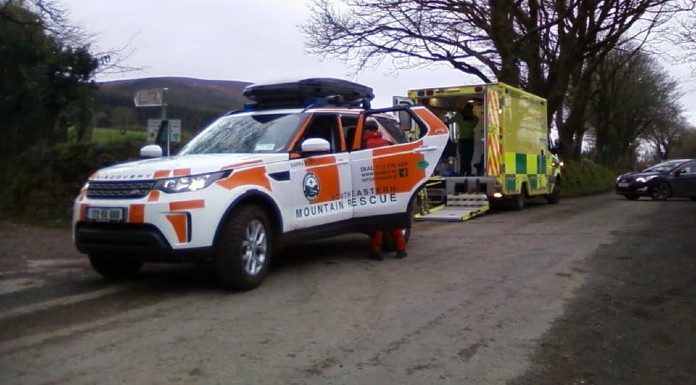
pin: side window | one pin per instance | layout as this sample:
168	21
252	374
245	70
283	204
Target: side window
689	168
348	126
324	127
393	128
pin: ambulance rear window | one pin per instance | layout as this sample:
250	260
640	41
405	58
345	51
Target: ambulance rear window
247	133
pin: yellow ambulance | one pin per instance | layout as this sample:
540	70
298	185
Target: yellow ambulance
511	160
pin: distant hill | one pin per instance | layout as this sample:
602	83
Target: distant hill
195	101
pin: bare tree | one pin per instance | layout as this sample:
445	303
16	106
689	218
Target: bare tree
52	17
665	139
634	102
686	144
545	46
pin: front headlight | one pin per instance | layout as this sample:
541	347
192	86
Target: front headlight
189	183
644	179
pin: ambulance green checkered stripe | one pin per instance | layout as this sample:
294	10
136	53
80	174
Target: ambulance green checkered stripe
534	182
520	163
530	164
529	168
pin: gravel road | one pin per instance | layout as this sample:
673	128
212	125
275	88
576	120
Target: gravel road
595	290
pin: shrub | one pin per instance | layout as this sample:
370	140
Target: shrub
43	180
586	177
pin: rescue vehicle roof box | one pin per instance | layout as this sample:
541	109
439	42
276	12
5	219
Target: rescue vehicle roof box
304	91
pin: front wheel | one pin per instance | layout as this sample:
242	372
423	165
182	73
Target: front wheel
244	249
555	196
115	267
660	192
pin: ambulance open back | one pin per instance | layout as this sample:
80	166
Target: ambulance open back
512	160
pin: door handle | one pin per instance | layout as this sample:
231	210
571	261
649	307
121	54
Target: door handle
341	161
425	148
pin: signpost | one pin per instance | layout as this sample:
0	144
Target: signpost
149	98
174	125
155	98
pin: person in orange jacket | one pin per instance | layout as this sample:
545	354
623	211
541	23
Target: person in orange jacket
373	138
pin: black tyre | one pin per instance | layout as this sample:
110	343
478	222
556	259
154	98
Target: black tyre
555	197
660	192
114	266
631	197
692	198
244	249
517	201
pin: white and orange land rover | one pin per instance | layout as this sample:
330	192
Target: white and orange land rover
289	167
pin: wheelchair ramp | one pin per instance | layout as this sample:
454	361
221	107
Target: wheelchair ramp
458	207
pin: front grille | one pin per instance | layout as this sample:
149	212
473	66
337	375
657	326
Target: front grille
119	190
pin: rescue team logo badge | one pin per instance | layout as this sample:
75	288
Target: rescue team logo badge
310	186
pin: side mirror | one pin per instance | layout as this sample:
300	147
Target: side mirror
316	145
151	151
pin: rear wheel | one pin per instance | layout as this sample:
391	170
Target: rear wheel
244	249
517	201
660	192
115	267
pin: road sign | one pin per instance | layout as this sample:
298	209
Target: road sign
148	98
174	129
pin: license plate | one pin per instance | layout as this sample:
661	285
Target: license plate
623	184
106	214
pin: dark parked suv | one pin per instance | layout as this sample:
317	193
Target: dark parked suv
669	179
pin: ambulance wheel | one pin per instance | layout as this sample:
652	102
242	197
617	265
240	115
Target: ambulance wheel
388	243
555	195
517	201
244	249
114	266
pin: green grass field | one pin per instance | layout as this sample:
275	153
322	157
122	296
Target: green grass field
101	135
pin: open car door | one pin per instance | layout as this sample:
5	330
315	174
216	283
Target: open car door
386	179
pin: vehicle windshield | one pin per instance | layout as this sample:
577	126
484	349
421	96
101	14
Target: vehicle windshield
247	133
664	166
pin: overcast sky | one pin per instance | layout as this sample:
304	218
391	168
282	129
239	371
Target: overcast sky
246	40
